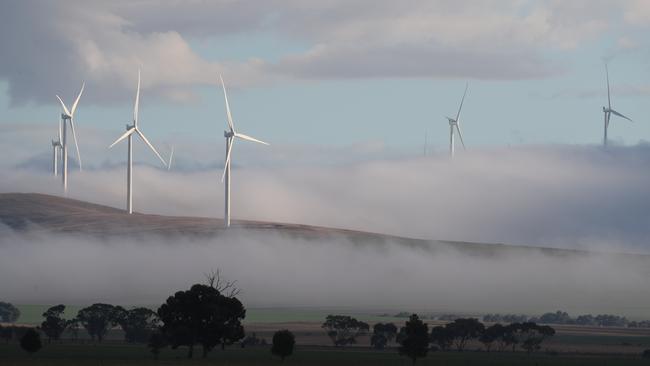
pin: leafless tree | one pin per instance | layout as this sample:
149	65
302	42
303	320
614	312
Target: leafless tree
227	288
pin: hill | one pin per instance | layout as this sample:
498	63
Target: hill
40	212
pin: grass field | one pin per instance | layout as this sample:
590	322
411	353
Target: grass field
120	354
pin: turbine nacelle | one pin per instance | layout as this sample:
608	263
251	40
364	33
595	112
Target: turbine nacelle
228	134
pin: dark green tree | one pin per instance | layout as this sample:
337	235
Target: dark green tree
531	335
442	337
157	341
6	333
202	315
72	326
54	324
414	339
138	324
99	318
491	335
8	313
382	335
465	329
343	329
31	341
283	343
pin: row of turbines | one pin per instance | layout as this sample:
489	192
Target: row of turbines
60	146
454	123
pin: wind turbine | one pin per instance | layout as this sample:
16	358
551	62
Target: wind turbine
230	135
130	130
68	116
56	146
455	123
608	111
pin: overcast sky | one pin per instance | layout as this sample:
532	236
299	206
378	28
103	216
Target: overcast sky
333	73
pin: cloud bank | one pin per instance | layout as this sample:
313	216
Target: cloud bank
104	43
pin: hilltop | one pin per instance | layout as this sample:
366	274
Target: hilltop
41	212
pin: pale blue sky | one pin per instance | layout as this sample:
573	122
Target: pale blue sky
561	108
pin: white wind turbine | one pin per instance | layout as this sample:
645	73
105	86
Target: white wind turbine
230	135
56	146
608	111
455	123
130	130
68	116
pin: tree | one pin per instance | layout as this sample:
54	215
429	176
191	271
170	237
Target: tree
6	333
54	324
31	341
414	339
509	336
202	315
99	318
72	326
343	329
382	335
532	335
491	335
8	313
283	343
138	324
442	337
465	329
157	341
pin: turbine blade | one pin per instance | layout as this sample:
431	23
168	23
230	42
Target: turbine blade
60	130
74	106
246	137
228	115
228	154
460	134
74	137
171	156
609	99
461	102
150	146
620	115
137	102
125	135
65	109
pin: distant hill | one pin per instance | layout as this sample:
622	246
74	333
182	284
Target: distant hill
32	211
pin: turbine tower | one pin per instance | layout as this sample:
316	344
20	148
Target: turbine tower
68	117
454	123
608	111
56	146
230	135
130	130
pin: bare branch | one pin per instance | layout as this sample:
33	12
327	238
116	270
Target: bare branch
227	288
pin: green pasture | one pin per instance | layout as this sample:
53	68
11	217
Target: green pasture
120	354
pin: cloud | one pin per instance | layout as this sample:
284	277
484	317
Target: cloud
62	43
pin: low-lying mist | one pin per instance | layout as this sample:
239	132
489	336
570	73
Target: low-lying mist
559	196
280	270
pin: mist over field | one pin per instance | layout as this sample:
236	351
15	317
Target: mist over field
556	195
578	197
279	270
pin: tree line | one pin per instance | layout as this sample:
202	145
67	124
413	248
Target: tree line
415	340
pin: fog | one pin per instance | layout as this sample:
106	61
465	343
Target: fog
558	196
579	197
276	270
